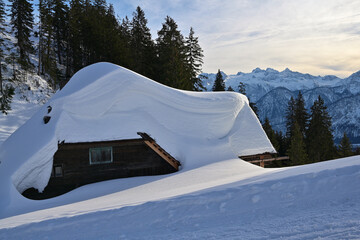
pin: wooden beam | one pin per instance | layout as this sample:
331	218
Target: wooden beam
268	160
159	150
162	153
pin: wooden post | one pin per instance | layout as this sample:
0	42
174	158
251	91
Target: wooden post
262	163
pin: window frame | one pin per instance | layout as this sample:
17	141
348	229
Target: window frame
53	171
91	162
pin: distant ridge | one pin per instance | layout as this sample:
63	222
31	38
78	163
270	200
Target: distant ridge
271	90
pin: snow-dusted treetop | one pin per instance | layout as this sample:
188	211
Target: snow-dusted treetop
107	102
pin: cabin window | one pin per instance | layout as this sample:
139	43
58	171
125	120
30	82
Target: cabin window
100	155
57	171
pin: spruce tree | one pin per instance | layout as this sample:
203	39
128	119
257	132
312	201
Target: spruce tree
344	149
242	88
219	84
172	67
296	112
47	55
22	24
290	117
11	60
125	36
5	99
118	49
75	60
271	134
60	27
297	149
319	139
2	41
142	46
282	150
300	114
254	108
125	29
230	89
194	55
41	37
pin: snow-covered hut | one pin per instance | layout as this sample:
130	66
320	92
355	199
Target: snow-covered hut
105	103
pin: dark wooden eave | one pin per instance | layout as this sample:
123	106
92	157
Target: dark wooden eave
254	157
262	158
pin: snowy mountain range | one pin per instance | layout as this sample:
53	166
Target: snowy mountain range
271	91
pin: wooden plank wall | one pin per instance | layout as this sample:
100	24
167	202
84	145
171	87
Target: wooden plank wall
130	158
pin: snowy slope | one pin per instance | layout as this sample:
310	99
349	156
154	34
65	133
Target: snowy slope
31	90
316	201
271	91
29	96
107	102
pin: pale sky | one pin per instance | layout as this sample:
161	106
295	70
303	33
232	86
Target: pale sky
319	37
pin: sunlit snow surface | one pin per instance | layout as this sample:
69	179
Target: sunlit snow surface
317	201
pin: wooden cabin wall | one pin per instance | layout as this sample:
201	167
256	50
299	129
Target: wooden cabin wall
130	158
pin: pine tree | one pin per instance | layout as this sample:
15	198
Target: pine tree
143	47
5	99
219	84
296	112
345	147
296	151
41	37
60	27
2	41
319	139
172	66
125	29
271	134
22	24
47	55
194	55
254	108
118	49
11	60
230	89
282	150
290	117
242	88
75	59
300	114
90	32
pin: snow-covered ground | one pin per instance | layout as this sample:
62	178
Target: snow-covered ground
214	195
24	104
317	201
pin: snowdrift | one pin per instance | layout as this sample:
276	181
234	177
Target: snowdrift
107	102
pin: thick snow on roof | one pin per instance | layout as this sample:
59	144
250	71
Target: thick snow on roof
108	102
